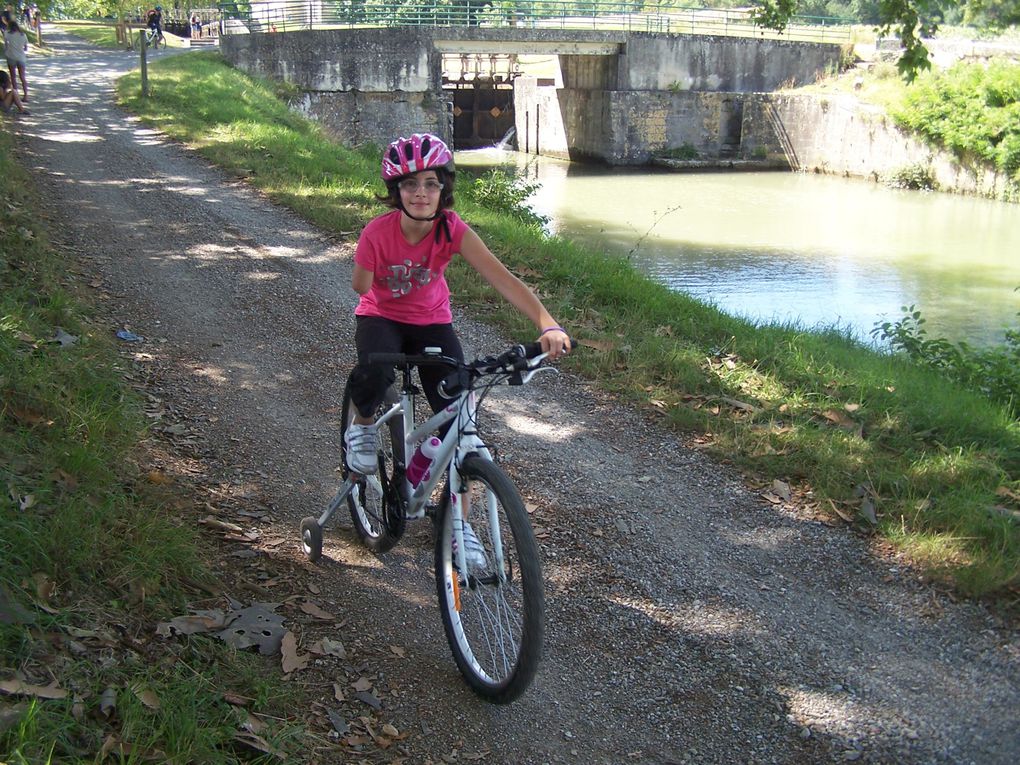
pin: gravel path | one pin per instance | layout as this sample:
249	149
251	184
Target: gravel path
688	620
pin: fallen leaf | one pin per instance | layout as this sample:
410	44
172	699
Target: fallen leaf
292	660
147	696
369	698
313	610
845	516
781	489
1005	491
338	692
44	586
19	688
215	523
108	701
868	511
252	724
158	477
851	407
398	651
339	723
327	647
738	404
258	743
362	684
598	345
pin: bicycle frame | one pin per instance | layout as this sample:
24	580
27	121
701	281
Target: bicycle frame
460	440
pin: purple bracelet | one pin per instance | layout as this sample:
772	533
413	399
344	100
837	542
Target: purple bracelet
553	329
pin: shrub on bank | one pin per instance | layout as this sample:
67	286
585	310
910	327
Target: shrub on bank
971	110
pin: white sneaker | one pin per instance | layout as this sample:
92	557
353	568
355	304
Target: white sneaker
362	448
474	552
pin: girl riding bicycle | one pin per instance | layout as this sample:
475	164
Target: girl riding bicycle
399	270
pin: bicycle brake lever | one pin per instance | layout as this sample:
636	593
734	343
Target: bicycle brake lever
527	378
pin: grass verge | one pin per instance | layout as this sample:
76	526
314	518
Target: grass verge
92	548
873	439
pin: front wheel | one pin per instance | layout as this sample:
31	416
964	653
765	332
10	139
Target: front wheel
495	622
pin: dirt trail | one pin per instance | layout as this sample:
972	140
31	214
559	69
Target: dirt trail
688	620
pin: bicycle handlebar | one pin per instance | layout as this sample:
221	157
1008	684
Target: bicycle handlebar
515	360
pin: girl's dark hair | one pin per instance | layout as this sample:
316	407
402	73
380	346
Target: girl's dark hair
4	79
392	196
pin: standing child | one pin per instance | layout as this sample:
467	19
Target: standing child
16	50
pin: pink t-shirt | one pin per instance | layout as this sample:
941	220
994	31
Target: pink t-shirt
408	283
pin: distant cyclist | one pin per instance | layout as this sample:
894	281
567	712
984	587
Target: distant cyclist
154	20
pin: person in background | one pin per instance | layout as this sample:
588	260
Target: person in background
16	50
154	19
9	95
6	18
196	26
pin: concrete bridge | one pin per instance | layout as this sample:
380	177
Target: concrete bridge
624	95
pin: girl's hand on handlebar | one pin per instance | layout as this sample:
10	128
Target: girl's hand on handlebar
555	342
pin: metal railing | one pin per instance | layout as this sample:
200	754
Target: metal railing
631	16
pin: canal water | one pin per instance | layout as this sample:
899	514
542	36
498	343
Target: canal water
811	250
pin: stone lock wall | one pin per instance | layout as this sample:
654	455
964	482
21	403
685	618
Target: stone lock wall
625	95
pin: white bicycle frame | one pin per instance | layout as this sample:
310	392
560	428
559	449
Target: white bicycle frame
461	439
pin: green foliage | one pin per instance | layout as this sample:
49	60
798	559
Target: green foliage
971	110
500	189
918	177
994	372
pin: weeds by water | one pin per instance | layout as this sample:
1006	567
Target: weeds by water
895	448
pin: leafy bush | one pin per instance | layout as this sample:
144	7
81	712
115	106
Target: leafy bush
971	110
917	177
502	190
995	372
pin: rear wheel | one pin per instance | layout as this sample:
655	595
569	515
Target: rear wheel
374	502
495	622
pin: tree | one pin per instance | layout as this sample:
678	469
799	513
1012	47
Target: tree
911	19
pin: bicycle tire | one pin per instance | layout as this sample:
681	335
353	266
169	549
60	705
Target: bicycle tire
378	519
497	632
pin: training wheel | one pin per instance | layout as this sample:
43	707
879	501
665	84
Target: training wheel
311	538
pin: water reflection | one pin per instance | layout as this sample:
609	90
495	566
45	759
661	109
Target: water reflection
793	248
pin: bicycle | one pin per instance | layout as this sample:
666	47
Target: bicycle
493	617
153	37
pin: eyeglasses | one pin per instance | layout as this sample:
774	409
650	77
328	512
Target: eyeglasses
411	186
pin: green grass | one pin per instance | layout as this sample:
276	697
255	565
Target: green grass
840	422
92	552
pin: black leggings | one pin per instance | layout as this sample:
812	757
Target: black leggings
374	334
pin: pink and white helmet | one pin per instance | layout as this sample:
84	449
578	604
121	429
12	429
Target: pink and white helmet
422	151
